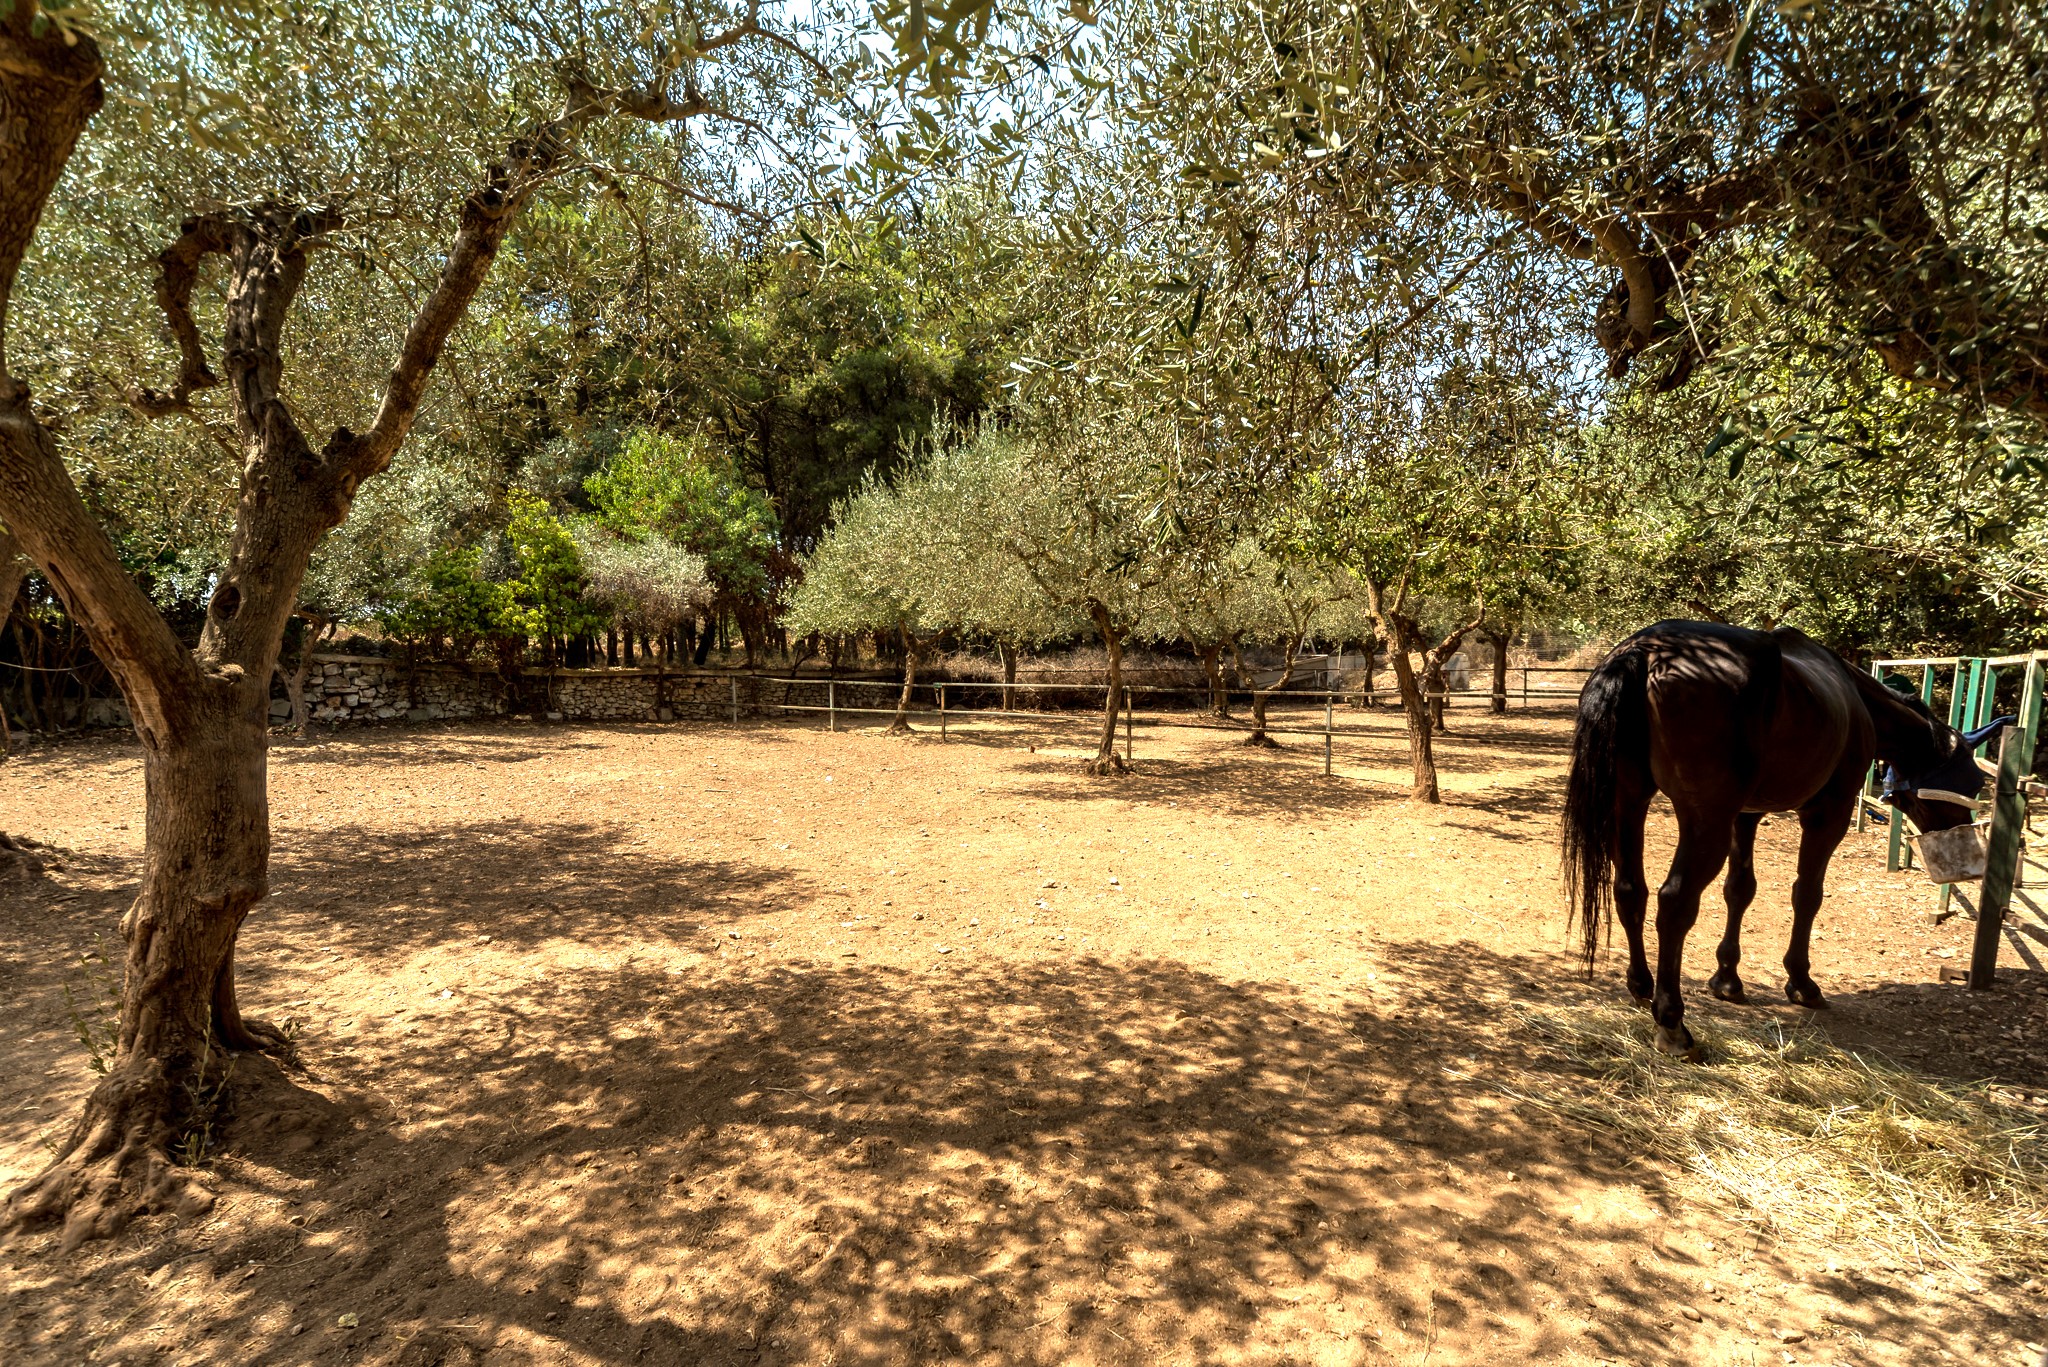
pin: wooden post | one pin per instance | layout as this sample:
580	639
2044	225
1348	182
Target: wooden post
832	704
1329	704
734	680
942	711
2008	823
1525	688
1127	723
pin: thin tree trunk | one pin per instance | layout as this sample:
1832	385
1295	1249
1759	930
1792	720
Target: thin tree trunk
29	713
661	685
1434	680
14	568
1009	656
1107	760
899	725
1219	690
1433	690
1399	630
317	630
1499	641
1261	696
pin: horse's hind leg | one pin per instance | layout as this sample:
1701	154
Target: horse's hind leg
1702	847
1821	828
1632	891
1738	890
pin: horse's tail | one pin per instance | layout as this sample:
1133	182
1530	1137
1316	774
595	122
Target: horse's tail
1613	731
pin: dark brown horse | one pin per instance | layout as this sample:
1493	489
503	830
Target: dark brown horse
1731	724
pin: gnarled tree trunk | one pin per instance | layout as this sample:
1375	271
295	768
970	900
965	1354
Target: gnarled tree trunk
1401	635
206	866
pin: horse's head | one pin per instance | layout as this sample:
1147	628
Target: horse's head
1943	793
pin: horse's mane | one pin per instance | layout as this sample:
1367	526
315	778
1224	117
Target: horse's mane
1941	737
1906	693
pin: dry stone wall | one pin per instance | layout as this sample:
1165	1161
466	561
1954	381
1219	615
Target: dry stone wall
356	690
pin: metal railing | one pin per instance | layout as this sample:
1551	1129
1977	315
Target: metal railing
951	703
1973	701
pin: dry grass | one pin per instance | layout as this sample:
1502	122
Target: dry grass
1813	1140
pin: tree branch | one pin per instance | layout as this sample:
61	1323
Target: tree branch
50	89
177	272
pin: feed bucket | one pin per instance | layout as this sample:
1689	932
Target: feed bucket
1955	855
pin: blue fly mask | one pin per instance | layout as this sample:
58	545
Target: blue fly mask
1956	779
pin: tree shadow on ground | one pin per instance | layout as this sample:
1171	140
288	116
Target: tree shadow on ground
1277	789
497	741
651	1154
370	890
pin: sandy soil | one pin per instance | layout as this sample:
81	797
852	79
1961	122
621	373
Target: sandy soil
758	1044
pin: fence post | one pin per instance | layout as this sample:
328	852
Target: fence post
1329	709
942	711
1525	688
734	680
1127	723
832	704
2008	817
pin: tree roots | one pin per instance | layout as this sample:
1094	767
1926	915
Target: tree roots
1262	740
1102	766
117	1162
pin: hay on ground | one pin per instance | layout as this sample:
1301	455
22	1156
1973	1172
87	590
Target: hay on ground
1813	1140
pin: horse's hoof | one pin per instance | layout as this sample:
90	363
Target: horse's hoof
1678	1042
1727	987
1806	994
1642	991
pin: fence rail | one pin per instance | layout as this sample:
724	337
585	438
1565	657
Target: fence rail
1972	687
1283	708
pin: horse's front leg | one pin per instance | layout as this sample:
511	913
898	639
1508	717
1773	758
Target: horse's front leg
1738	891
1822	824
1703	840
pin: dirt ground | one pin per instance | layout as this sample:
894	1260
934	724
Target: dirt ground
763	1045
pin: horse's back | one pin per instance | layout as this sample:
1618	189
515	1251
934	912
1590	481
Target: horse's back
1746	719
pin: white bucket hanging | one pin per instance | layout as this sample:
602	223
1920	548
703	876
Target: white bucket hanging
1956	855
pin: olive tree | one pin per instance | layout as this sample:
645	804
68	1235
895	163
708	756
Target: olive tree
237	264
1074	501
922	557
